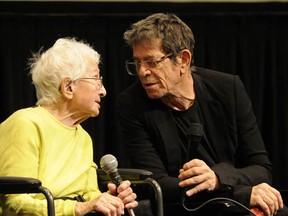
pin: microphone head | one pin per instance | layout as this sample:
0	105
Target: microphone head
109	163
195	129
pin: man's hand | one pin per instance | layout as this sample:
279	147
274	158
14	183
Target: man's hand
267	198
198	174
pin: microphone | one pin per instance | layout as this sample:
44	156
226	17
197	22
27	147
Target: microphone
194	135
109	164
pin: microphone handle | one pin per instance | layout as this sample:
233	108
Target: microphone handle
131	212
116	179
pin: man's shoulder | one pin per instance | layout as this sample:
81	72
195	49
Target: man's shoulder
209	73
214	78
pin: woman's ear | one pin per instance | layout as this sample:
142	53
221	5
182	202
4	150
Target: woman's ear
67	88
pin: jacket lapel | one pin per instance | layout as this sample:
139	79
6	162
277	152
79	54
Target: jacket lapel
168	132
214	121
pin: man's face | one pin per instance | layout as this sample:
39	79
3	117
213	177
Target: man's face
159	80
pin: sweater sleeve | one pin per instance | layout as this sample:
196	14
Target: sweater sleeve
27	204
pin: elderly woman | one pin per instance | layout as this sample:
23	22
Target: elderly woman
47	141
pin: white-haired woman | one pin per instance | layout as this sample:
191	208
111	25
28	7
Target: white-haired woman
47	141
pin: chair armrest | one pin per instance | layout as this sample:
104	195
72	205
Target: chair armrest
17	185
137	176
11	184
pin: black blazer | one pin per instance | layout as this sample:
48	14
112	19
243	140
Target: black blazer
239	156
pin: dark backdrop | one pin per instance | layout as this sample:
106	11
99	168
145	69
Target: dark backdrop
250	40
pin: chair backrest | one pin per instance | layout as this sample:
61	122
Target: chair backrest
16	185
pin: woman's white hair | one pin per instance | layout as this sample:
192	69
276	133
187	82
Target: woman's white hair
67	58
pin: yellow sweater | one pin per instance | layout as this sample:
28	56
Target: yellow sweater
35	144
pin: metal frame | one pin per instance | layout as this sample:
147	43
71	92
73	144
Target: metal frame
17	185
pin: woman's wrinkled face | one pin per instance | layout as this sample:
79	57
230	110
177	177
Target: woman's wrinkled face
89	91
160	80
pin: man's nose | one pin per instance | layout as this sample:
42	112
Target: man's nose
143	70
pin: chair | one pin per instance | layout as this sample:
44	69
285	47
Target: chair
17	185
213	207
218	203
143	184
137	177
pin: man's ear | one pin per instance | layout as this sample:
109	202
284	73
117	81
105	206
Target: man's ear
67	88
186	57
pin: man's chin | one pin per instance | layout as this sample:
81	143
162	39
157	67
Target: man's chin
153	95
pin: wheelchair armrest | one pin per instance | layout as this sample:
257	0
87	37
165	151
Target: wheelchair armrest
137	177
17	185
11	184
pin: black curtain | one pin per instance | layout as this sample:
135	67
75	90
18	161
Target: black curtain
250	40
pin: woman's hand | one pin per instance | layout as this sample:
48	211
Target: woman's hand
108	203
125	193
